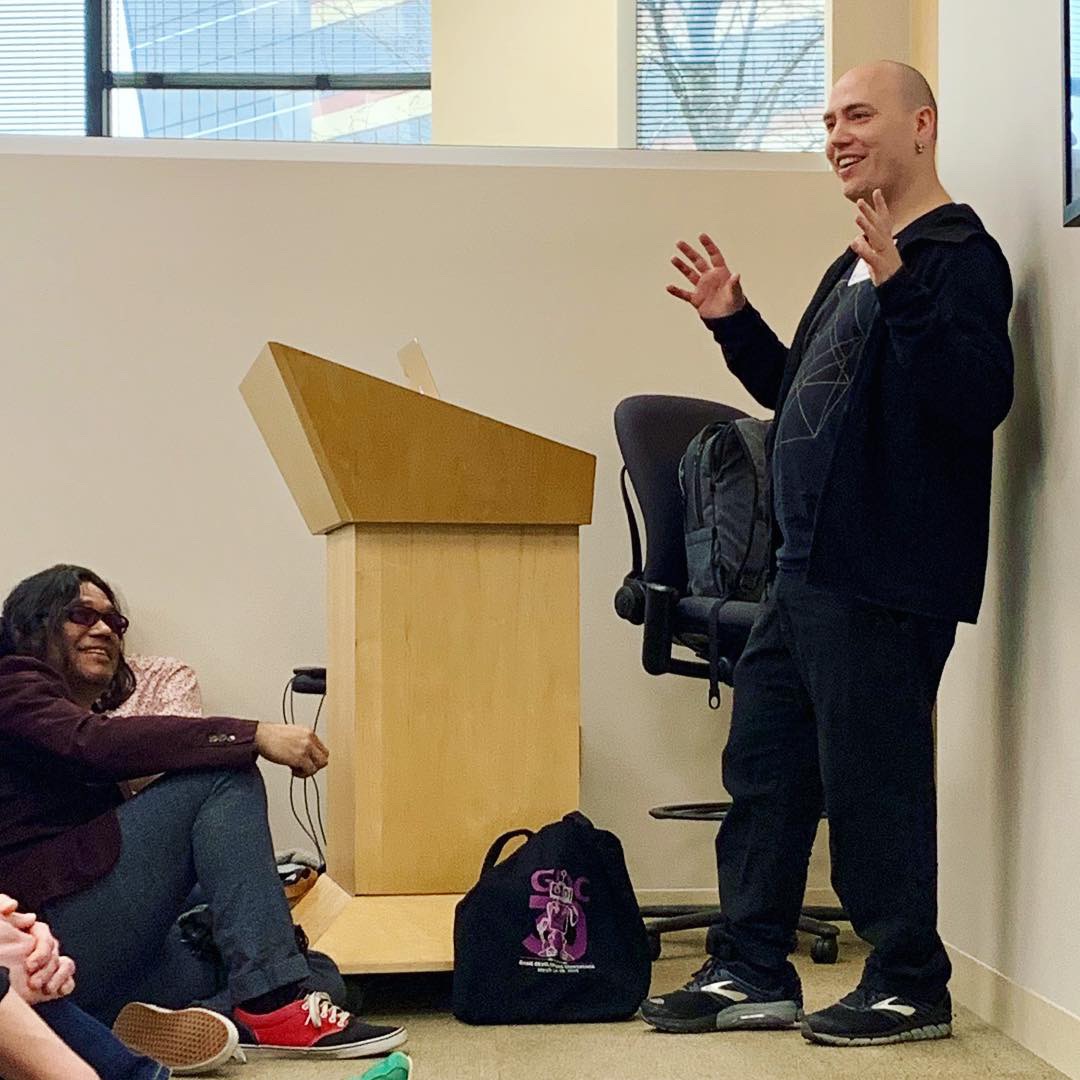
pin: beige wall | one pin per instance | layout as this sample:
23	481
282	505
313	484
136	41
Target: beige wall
1009	738
861	31
519	73
924	39
138	291
561	73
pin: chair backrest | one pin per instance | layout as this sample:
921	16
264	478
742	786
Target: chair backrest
653	431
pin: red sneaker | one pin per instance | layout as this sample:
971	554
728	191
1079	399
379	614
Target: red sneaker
314	1027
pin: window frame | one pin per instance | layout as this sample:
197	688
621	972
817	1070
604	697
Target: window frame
101	80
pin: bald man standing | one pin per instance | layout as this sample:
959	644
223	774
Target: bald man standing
885	406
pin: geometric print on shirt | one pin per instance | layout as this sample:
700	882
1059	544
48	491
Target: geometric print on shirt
828	366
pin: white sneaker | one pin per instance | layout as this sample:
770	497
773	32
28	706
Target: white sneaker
187	1041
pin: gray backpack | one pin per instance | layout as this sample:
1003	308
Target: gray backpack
723	481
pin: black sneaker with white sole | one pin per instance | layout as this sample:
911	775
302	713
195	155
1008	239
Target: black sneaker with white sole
873	1018
716	999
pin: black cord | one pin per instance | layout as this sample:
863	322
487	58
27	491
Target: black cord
285	719
307	804
318	800
289	717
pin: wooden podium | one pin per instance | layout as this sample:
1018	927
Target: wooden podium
453	642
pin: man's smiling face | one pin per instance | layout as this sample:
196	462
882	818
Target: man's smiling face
871	133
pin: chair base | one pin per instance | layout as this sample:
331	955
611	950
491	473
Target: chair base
668	919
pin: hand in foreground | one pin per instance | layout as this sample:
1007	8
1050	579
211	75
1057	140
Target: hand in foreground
48	974
716	291
9	911
38	971
875	244
297	747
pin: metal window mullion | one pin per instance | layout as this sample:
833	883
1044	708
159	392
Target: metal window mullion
146	80
97	84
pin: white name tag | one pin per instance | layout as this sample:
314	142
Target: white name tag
860	273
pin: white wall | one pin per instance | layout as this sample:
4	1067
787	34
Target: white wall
1008	734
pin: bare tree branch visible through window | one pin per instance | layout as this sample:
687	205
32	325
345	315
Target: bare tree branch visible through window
731	74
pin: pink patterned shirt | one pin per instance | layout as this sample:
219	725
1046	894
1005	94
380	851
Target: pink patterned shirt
164	686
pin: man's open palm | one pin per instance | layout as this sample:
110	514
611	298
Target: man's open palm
715	291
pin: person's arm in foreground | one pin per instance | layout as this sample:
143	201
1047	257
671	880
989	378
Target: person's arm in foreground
28	1048
31	963
753	353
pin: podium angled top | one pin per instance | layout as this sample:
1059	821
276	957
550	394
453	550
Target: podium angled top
354	448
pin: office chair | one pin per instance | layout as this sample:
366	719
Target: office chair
653	432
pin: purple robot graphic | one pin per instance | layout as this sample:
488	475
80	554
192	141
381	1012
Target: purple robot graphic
561	933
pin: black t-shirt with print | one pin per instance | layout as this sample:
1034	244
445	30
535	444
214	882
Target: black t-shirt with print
812	414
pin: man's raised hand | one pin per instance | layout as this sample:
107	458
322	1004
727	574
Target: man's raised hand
715	291
875	244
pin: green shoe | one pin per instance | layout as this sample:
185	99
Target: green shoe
397	1066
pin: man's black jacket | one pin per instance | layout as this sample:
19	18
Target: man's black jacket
903	517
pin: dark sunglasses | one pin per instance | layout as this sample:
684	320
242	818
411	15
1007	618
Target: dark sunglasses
84	615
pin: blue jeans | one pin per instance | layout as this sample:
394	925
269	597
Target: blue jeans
97	1045
204	827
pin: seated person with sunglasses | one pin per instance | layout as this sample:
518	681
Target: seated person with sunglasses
111	876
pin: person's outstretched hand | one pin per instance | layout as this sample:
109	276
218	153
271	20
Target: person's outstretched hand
297	747
716	291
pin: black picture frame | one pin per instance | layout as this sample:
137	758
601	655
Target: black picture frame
1071	110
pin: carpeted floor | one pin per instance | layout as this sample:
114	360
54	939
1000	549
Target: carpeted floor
443	1049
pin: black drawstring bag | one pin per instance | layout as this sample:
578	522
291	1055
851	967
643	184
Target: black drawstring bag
553	933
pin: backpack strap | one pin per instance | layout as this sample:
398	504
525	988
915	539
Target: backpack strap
714	654
496	849
755	445
690	476
751	434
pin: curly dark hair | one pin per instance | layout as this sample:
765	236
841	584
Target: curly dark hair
33	615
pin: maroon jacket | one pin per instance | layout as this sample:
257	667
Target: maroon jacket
59	767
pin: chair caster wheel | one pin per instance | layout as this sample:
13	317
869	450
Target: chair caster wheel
825	950
654	947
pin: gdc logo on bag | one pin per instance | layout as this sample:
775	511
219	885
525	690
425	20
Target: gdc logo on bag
552	934
561	937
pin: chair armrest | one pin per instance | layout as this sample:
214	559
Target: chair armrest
659	622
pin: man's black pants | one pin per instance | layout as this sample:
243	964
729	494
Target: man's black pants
833	707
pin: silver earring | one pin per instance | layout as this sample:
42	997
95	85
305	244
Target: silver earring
919	148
